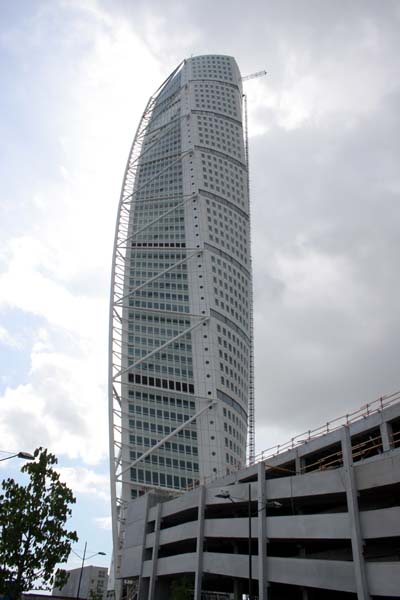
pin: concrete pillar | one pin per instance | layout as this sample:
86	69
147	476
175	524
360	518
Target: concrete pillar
144	588
200	543
354	517
237	595
162	589
262	532
386	434
153	576
143	584
299	464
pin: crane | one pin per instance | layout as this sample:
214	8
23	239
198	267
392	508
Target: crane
251	404
254	75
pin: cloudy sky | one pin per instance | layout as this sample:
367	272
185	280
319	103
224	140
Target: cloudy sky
325	183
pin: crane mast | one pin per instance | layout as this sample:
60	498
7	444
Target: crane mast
251	414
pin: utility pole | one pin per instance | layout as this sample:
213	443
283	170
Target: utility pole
80	574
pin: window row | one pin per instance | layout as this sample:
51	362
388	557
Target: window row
148	293
162	368
158	244
160	479
168	462
169	384
164	400
138	440
160	414
160	306
137	424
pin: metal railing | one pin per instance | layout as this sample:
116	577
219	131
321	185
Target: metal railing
364	411
333	460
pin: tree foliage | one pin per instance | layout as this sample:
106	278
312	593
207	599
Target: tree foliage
95	595
32	527
182	589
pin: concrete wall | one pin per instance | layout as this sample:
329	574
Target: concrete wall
136	521
336	562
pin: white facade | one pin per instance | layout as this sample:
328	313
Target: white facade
325	523
180	318
93	584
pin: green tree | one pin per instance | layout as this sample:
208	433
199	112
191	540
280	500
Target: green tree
182	589
95	595
32	528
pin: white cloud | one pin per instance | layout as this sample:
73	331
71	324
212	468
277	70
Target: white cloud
103	523
324	183
58	268
33	284
8	339
62	407
86	481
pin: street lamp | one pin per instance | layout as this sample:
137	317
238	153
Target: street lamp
83	558
270	503
24	455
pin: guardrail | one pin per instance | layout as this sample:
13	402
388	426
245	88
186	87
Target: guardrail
303	438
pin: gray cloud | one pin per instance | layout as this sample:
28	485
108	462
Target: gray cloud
324	179
63	407
325	190
338	192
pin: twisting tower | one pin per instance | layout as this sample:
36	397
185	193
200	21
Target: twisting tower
180	310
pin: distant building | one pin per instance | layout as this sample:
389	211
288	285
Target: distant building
325	521
93	583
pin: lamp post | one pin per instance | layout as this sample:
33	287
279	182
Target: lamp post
24	455
273	503
83	558
250	553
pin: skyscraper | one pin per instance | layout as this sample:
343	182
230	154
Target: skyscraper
180	314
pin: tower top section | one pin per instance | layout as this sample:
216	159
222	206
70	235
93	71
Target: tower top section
213	66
